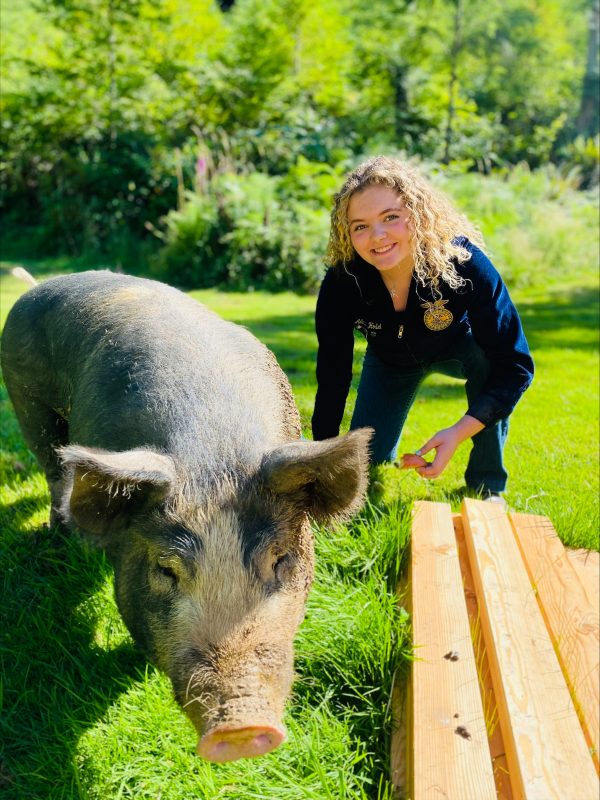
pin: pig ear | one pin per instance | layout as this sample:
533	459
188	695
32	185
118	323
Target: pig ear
108	486
328	477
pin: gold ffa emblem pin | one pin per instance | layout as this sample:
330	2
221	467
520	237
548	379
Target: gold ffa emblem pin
436	317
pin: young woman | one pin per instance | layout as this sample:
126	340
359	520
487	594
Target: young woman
407	271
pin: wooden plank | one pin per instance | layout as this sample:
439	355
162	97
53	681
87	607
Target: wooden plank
587	566
570	615
486	687
451	757
547	753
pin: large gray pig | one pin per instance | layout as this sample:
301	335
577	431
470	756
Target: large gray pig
171	439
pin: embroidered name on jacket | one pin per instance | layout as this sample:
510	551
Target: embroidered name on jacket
436	317
367	328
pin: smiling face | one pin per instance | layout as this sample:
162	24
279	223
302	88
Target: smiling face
379	228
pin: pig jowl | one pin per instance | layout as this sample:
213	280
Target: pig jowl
170	438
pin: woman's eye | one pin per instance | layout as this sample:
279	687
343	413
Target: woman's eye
392	217
358	228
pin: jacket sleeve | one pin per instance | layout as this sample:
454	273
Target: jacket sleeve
497	329
335	334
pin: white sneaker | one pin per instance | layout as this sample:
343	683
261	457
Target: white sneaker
494	497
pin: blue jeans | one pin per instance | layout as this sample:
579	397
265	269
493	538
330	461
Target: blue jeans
386	394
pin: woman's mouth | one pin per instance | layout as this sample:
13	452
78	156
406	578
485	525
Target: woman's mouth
381	251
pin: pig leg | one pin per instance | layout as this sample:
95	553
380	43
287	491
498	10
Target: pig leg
44	429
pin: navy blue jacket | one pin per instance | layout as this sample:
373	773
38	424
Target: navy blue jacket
359	300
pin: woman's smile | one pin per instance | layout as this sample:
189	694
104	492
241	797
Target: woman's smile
384	249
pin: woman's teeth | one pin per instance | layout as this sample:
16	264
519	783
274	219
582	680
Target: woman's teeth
380	250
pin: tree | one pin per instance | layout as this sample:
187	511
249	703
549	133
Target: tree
455	49
588	120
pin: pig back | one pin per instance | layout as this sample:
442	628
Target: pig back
131	362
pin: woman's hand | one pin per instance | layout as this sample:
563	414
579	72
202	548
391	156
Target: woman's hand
444	443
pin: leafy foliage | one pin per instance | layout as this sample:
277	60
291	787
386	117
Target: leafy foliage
245	231
107	105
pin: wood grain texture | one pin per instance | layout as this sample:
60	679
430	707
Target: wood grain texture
451	756
486	687
587	566
547	754
571	617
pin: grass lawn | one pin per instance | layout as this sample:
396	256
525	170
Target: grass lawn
81	713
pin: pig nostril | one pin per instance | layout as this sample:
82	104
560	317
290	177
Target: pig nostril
261	744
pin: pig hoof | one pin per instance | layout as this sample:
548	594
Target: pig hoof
229	744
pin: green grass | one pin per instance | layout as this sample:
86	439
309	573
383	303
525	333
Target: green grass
81	713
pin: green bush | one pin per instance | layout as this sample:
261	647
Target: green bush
245	232
87	197
190	253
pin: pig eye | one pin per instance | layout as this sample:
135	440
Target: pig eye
283	566
166	572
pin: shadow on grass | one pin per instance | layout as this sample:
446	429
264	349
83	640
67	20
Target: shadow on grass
57	682
291	337
567	313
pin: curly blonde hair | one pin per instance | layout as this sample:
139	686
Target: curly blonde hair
435	222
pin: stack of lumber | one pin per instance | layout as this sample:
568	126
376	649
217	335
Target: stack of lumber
504	691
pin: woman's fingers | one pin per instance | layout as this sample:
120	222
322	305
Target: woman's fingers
429	445
444	443
431	470
412	461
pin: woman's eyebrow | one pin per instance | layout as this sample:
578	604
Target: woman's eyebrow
385	211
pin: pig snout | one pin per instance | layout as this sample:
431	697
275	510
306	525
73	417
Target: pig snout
226	743
236	705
